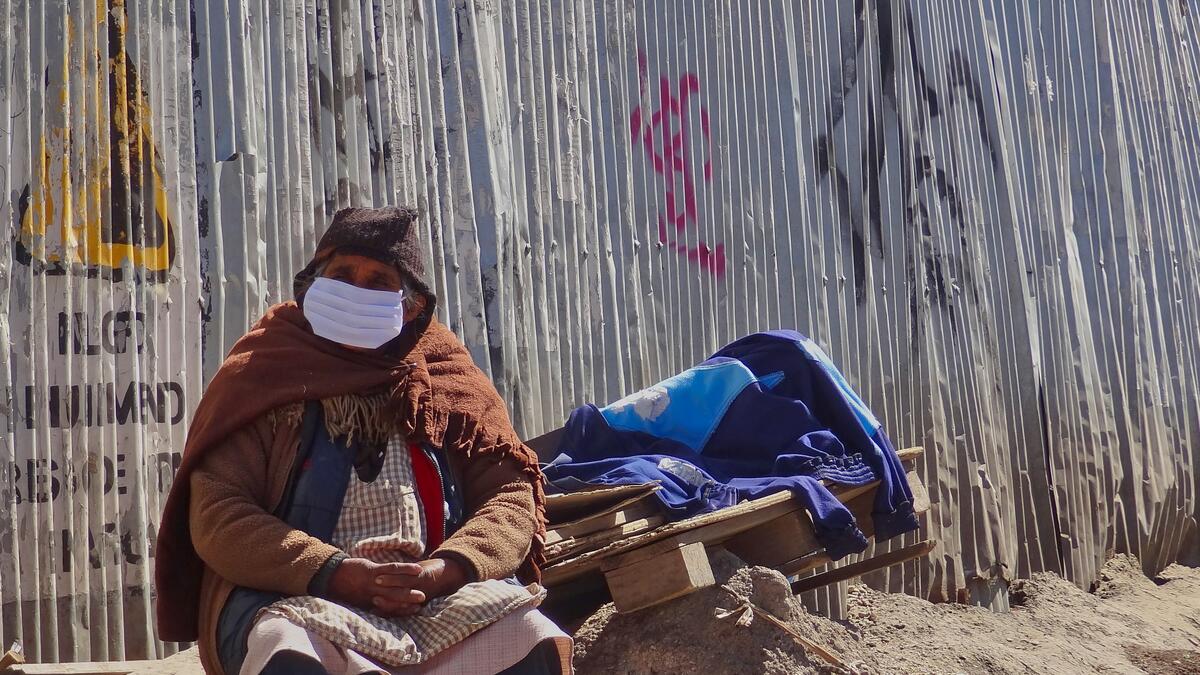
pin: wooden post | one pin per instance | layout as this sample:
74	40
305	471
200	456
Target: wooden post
660	577
862	567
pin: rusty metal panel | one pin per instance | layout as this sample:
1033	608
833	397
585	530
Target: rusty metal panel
982	212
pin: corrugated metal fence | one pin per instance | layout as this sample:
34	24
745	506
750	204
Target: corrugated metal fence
983	211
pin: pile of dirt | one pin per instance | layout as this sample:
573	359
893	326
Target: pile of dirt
1128	624
686	635
1164	661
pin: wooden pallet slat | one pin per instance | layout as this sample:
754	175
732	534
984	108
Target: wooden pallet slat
776	542
864	566
626	511
712	528
12	657
565	508
661	577
718	525
571	547
85	668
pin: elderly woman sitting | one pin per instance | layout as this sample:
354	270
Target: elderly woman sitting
352	496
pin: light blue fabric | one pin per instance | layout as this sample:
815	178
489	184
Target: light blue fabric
771	380
687	407
866	418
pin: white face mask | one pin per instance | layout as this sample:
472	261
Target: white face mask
353	316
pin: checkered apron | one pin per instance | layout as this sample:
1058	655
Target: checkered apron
383	521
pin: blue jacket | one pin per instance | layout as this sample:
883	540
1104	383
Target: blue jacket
767	413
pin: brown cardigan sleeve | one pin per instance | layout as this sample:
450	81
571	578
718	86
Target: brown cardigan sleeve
496	537
232	531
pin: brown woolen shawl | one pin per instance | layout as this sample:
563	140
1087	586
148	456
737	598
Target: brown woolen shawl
437	395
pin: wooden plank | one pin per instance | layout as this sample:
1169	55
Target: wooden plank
805	563
921	503
711	532
92	668
745	516
184	663
12	657
567	507
713	528
626	511
776	542
862	567
737	519
668	575
645	494
591	542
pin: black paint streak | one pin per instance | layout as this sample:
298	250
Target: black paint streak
333	90
919	166
961	77
203	181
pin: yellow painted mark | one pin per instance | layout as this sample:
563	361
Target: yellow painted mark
101	202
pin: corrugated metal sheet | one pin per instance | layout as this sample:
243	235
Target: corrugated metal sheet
984	212
98	304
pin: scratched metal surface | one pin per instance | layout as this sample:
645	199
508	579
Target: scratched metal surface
984	213
98	289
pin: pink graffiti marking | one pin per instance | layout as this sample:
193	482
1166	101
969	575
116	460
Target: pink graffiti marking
663	134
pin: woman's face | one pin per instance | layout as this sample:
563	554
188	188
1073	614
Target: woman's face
364	272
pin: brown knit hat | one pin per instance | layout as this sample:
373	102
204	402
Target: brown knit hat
387	234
